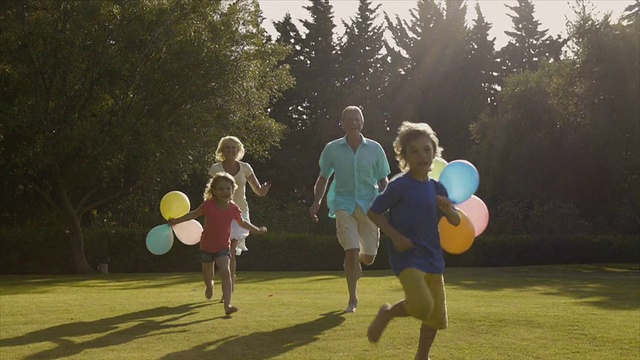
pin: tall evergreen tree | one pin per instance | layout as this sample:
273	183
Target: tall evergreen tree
631	15
529	46
308	110
363	70
484	66
429	72
319	54
288	109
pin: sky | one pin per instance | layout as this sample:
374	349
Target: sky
552	14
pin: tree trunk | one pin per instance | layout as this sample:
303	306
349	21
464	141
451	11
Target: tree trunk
76	236
77	249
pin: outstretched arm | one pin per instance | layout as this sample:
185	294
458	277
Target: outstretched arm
249	226
318	193
189	216
260	190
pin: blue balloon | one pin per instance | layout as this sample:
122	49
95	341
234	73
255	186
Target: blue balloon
160	239
461	179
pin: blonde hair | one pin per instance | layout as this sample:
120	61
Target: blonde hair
223	142
215	180
409	132
352	109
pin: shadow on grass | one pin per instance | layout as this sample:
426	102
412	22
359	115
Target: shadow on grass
23	284
262	344
605	286
143	322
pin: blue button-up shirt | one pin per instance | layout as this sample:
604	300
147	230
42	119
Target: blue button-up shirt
356	174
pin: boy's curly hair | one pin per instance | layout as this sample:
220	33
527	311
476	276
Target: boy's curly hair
407	133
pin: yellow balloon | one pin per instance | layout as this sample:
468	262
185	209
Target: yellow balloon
436	168
174	204
456	239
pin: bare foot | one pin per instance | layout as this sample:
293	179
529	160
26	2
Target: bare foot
230	310
379	324
208	292
351	308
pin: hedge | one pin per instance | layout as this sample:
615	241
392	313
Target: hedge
46	251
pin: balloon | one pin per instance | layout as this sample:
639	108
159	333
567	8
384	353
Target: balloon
174	204
477	212
160	239
188	232
456	239
461	179
436	168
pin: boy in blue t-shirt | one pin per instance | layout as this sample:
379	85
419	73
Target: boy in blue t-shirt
415	204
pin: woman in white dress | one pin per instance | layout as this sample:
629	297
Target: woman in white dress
228	154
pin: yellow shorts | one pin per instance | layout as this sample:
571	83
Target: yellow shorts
357	231
425	297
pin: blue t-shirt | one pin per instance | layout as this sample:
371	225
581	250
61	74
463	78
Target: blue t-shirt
414	213
356	173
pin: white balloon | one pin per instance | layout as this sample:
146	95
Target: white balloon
188	232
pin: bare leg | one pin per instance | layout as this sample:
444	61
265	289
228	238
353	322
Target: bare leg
225	277
385	314
232	266
352	269
427	335
207	275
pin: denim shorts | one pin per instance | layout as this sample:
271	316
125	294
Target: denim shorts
209	257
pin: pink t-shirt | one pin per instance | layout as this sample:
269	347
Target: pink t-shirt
216	235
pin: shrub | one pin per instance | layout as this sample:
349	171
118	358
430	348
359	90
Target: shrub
46	251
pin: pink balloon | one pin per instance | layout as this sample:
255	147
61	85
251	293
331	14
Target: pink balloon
477	212
188	232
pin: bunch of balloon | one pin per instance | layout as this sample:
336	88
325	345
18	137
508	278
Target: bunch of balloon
173	205
461	179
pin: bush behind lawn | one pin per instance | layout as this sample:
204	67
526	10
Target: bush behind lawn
46	251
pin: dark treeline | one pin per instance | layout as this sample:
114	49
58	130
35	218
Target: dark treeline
107	105
552	123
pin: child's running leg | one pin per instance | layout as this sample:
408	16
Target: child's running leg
207	275
427	335
385	315
419	301
225	277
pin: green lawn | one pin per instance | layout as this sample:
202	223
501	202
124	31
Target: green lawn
548	312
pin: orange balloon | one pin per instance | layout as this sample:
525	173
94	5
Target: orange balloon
456	239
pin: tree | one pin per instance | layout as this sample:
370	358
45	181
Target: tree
484	66
430	72
363	71
103	97
631	15
308	109
529	46
608	62
577	121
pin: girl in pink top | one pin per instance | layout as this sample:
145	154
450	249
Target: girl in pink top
218	211
228	154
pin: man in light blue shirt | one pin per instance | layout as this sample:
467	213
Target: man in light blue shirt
360	170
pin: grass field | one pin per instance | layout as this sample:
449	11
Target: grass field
547	312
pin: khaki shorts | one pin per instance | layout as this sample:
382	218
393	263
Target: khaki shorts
357	231
425	297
